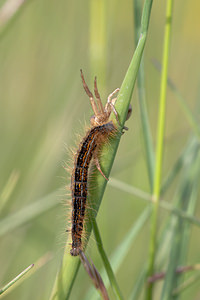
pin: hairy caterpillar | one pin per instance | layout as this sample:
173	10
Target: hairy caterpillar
89	148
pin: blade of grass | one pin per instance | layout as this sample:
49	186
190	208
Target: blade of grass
69	268
14	280
159	148
137	4
37	265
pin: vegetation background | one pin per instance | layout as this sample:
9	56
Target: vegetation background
42	108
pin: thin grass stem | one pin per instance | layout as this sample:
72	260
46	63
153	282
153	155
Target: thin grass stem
14	280
142	100
159	149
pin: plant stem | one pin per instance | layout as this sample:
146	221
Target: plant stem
149	151
8	285
159	149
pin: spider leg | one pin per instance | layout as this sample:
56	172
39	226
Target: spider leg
97	95
111	104
96	161
112	94
109	107
89	93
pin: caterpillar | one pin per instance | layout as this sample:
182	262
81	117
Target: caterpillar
89	148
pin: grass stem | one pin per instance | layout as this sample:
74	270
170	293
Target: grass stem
160	144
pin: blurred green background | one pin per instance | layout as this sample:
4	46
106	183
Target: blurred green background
43	107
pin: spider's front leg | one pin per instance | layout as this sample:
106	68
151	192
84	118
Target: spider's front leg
97	164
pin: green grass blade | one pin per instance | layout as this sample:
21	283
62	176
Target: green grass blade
130	78
41	262
159	149
14	280
142	100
